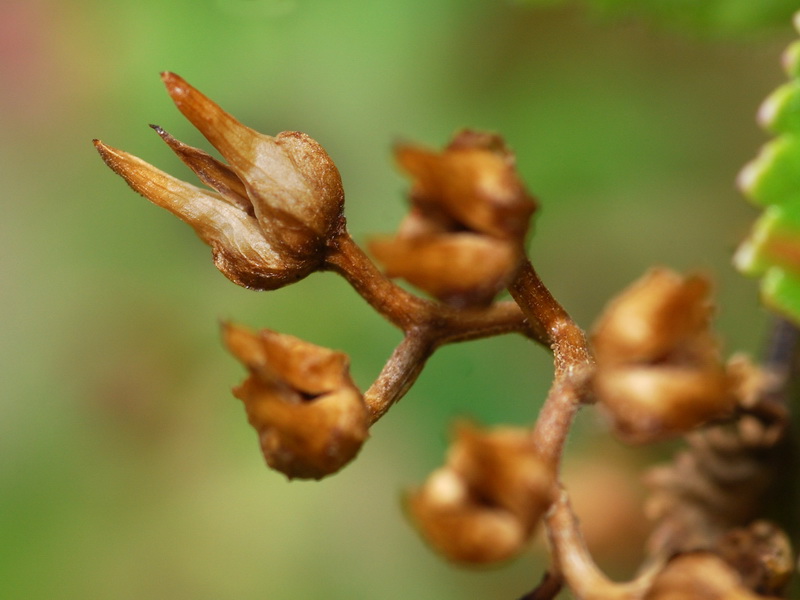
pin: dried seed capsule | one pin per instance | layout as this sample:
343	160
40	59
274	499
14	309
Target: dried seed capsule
464	236
310	417
659	372
484	504
702	576
274	206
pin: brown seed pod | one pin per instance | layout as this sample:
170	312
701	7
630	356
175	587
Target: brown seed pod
659	372
310	417
485	503
272	206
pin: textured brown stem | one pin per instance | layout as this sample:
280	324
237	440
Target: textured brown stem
548	319
398	375
427	324
572	359
408	312
548	589
347	259
582	575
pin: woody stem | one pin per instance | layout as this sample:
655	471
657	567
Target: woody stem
571	355
577	567
408	312
398	375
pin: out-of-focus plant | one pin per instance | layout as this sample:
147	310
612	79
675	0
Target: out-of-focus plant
772	181
273	214
712	17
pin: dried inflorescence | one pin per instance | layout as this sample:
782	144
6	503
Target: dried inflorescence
273	206
273	214
463	239
718	484
659	372
761	554
309	415
485	503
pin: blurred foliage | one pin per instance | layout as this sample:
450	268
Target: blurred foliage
771	181
710	17
127	468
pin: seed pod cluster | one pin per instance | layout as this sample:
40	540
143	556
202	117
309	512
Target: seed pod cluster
485	503
659	372
463	238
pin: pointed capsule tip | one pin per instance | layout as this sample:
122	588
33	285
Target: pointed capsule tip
104	150
175	83
117	160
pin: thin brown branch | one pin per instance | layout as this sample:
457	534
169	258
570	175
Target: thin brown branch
550	586
409	312
572	358
347	259
555	419
579	570
427	325
398	375
548	319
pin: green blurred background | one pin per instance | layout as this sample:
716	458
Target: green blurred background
127	469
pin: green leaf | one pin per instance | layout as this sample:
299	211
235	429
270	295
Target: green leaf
772	179
774	241
781	292
780	112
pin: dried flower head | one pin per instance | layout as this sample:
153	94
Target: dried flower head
310	417
659	373
701	576
762	555
718	483
463	238
484	504
274	204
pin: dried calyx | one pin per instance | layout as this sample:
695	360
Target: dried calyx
309	415
273	206
463	239
485	503
702	576
659	372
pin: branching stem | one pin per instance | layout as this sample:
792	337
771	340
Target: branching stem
572	360
409	312
398	375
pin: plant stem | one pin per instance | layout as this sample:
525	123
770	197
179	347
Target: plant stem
408	312
548	589
398	375
580	572
548	319
427	325
572	359
347	259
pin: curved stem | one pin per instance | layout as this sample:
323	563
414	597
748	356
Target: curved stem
548	319
347	259
408	312
555	419
548	588
398	375
580	572
572	358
